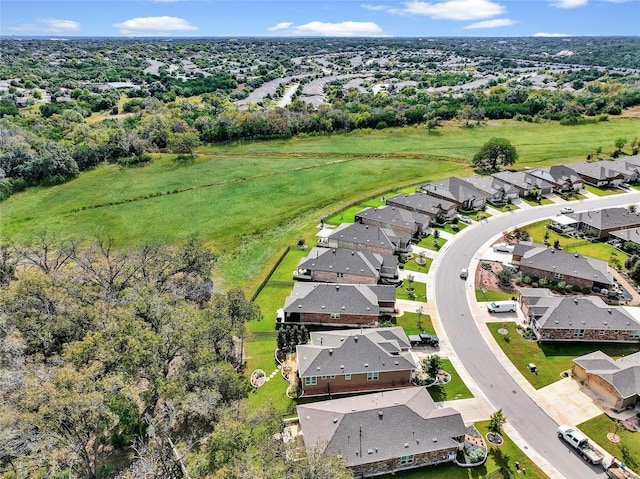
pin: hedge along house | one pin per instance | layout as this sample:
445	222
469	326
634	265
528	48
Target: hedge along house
398	219
359	237
436	209
385	432
557	265
578	318
327	304
331	265
616	381
344	361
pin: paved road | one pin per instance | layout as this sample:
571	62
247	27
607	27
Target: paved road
529	420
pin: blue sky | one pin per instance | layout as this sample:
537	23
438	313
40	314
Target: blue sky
372	18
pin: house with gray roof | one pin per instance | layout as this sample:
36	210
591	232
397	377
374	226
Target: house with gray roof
384	432
599	223
629	166
557	265
359	237
398	219
332	265
466	196
436	209
328	304
615	381
524	182
556	317
626	235
598	173
561	177
344	361
500	192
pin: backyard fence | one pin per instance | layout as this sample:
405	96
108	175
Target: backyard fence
271	271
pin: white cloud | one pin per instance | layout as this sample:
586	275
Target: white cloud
452	9
542	34
374	8
280	26
143	26
48	25
568	3
495	23
324	29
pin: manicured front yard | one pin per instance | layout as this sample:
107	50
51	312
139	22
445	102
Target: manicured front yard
627	450
503	457
451	229
550	359
412	323
454	389
493	295
420	291
411	265
427	242
506	208
603	191
479	215
543	201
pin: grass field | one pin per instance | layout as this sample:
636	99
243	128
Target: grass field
454	389
248	200
412	324
627	450
550	359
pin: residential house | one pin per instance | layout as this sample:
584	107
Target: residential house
359	237
524	182
338	304
344	361
557	265
331	265
626	235
560	177
629	166
616	381
598	173
437	209
398	219
578	318
500	192
383	433
466	196
599	223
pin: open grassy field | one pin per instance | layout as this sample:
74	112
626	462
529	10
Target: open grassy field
247	200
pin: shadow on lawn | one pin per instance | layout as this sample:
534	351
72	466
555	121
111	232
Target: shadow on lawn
573	349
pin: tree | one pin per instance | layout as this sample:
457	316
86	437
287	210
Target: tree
431	365
496	421
505	277
494	153
183	142
620	142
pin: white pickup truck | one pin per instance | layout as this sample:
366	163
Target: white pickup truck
580	443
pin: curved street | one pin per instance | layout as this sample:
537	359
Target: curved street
533	428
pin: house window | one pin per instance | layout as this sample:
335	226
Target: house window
406	460
558	275
333	376
310	381
625	331
335	315
340	275
602	331
347	377
324	377
372	376
635	334
578	333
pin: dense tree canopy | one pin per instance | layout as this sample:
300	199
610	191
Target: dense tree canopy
494	153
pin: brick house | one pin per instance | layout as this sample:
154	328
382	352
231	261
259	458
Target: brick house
329	304
359	237
385	432
343	361
616	381
463	194
557	265
331	265
629	166
560	177
578	318
599	173
500	192
524	182
437	209
601	222
398	219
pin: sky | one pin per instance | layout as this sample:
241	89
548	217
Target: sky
311	18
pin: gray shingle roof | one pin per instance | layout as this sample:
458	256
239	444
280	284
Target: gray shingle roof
492	185
600	170
455	189
521	179
562	262
623	374
630	234
377	427
342	261
608	218
421	202
337	298
394	216
355	352
367	235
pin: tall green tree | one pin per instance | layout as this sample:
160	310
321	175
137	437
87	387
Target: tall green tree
495	153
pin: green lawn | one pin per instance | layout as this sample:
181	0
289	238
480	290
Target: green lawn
412	325
347	215
479	215
603	191
493	295
543	201
222	196
506	208
627	450
504	456
451	230
420	291
427	242
454	389
550	359
599	250
411	265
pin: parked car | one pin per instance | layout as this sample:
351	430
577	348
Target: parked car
581	443
502	307
465	219
464	273
624	185
566	209
503	247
